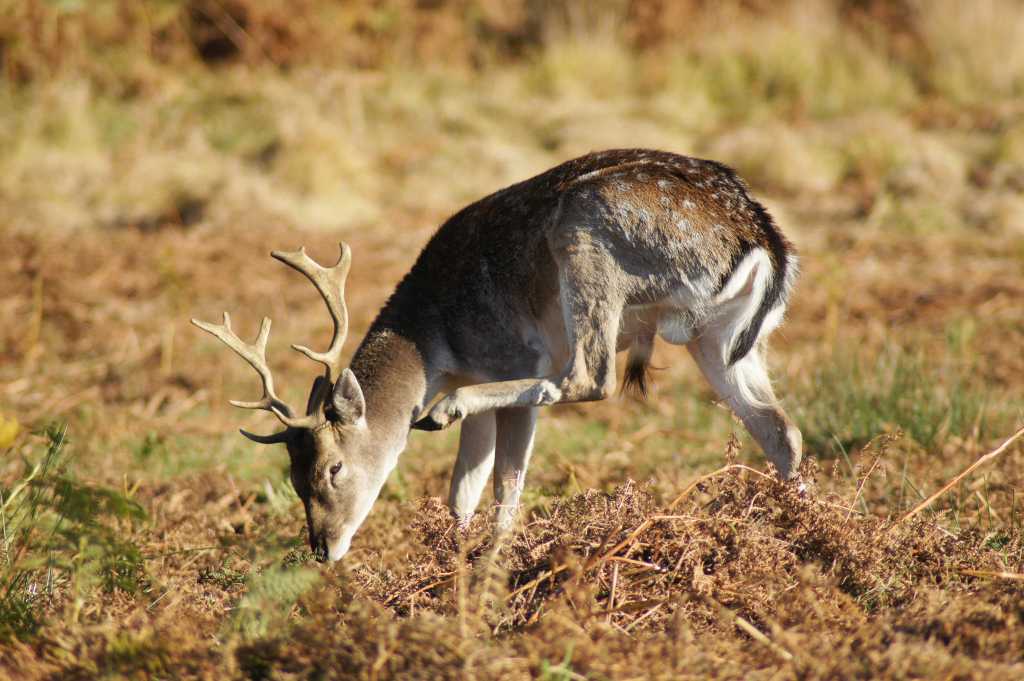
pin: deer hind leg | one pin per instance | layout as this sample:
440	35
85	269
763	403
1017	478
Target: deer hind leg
747	389
743	381
472	466
515	431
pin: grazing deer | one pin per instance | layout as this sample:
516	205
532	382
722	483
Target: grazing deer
522	300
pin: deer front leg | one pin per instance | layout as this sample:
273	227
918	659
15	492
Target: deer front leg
474	399
473	465
578	383
515	430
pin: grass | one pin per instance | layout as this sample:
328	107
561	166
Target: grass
57	536
850	400
148	162
198	145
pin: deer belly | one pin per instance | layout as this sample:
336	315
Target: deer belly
676	327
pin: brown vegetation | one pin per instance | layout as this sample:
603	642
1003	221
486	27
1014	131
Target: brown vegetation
152	154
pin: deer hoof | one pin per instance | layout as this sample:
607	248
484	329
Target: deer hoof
427	423
445	413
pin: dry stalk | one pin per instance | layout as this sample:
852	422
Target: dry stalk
995	574
644	616
534	583
967	471
860	487
724	469
447	578
611	595
750	629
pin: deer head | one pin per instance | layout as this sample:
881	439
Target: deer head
335	468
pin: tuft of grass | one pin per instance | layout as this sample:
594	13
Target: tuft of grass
849	400
913	215
798	62
600	68
977	49
780	157
139	655
61	537
269	599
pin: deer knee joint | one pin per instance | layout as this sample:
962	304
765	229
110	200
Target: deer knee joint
577	388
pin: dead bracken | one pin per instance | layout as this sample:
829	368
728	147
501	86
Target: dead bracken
739	541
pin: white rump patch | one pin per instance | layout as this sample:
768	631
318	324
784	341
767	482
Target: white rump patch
734	310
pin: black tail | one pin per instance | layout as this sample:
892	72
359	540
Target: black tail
636	379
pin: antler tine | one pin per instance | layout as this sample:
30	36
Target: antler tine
330	282
256	355
272	439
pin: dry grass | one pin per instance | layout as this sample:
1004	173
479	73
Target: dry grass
145	176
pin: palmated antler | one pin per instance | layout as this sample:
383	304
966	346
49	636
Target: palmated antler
330	282
256	355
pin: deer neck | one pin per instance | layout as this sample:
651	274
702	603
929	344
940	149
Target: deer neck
394	377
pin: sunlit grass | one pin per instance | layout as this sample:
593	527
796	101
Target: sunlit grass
798	101
59	537
851	398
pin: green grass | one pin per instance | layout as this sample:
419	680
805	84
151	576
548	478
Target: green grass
269	598
850	399
61	535
164	455
561	671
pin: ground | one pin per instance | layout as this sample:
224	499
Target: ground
143	537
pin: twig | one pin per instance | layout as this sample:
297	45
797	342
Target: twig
449	576
174	552
756	634
750	629
604	542
537	581
860	487
630	538
634	606
638	563
611	595
644	616
1015	576
945	488
724	469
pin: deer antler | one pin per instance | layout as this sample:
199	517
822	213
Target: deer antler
330	282
256	355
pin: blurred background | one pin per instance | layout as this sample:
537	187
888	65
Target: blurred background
345	115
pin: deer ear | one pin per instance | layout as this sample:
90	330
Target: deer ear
347	399
317	394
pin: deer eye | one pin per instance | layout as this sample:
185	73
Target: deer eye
335	469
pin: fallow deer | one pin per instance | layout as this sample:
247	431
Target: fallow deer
522	300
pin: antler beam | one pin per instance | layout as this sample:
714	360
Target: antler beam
330	282
256	355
